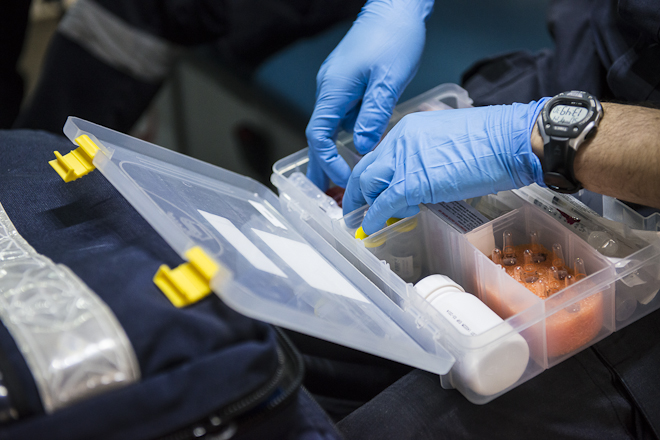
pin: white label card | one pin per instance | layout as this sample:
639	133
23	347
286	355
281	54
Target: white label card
460	215
311	267
266	213
242	244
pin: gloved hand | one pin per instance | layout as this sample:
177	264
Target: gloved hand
444	156
361	80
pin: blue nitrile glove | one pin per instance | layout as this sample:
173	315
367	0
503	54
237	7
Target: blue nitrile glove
443	156
361	80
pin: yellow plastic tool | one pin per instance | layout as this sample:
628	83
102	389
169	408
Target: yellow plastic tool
189	282
78	162
373	243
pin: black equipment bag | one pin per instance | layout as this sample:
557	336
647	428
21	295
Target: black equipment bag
206	371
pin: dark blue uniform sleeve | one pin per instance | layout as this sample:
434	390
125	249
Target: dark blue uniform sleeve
642	14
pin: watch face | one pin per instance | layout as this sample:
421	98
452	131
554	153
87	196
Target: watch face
567	114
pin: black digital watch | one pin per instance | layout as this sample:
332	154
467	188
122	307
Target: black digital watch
565	122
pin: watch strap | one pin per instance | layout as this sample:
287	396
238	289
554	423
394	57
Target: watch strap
558	173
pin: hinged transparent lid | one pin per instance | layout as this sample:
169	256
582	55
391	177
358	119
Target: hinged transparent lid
280	273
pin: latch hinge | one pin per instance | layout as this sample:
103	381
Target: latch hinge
189	282
78	162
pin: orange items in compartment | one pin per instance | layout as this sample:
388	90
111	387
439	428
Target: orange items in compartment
545	273
574	326
530	273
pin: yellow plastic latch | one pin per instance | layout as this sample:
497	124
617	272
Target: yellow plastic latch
189	282
78	162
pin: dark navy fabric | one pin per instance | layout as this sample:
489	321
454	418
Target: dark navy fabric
585	397
193	361
633	357
342	379
303	420
606	47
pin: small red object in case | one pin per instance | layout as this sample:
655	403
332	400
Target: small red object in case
337	193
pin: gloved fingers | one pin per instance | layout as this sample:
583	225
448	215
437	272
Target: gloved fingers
376	179
353	197
316	174
407	212
390	203
374	115
336	97
348	123
379	173
333	165
323	151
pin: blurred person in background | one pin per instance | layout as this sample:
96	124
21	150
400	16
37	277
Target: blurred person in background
108	58
13	24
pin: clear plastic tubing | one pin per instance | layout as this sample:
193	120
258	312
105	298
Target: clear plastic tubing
493	363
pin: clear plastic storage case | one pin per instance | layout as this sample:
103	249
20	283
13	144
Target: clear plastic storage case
294	261
457	239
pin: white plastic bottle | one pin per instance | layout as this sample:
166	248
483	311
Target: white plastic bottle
488	367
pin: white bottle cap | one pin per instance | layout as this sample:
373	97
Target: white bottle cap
433	283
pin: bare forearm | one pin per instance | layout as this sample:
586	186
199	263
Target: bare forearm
623	159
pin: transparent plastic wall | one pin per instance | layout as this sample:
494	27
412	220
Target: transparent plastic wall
637	285
616	210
